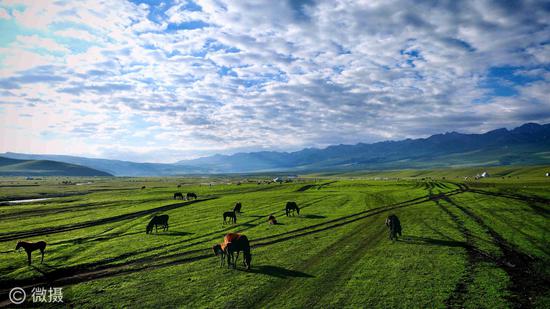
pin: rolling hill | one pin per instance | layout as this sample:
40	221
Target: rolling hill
13	167
528	144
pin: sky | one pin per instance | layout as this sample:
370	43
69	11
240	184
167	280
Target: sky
162	81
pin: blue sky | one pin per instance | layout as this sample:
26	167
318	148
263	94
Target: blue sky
162	81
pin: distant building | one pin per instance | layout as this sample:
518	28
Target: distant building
484	175
547	175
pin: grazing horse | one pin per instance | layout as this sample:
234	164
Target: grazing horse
142	187
234	243
178	196
161	220
191	195
231	215
271	219
291	207
30	247
392	222
237	207
219	251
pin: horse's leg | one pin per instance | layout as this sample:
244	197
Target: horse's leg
229	258
42	252
29	257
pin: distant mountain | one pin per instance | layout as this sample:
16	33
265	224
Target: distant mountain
528	144
115	167
13	167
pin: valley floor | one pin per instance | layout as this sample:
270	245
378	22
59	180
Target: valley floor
478	244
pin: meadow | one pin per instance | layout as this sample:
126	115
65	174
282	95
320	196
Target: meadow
465	243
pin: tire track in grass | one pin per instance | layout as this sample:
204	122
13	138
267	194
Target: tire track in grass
78	274
526	281
458	296
356	238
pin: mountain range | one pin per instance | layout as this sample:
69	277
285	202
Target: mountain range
528	144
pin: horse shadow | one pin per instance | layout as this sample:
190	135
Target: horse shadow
279	272
416	240
174	233
308	216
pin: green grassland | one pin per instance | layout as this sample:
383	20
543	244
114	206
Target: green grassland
466	243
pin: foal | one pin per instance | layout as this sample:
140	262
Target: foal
30	247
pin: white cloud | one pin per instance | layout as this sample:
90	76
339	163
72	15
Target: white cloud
274	75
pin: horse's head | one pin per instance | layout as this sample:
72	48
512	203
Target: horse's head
217	249
149	228
247	259
19	245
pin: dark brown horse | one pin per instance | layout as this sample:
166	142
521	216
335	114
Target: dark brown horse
271	219
30	247
178	196
191	195
393	224
234	243
231	215
142	187
237	207
291	207
161	220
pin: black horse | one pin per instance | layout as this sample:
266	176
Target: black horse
291	207
231	215
143	187
393	224
30	247
161	220
178	196
191	195
237	207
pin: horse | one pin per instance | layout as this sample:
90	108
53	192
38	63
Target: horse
191	195
161	220
30	247
219	251
235	243
237	207
142	187
178	195
291	206
271	219
393	224
231	215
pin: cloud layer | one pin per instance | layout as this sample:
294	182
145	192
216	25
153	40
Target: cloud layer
172	80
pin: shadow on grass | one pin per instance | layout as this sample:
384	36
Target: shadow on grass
278	272
416	240
173	233
314	216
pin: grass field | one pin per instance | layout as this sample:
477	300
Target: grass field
473	244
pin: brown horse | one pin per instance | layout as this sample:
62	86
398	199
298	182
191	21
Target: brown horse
234	243
30	247
231	215
271	219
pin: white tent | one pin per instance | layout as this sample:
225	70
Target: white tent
484	175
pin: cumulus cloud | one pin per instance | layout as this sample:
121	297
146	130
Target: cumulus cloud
207	76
